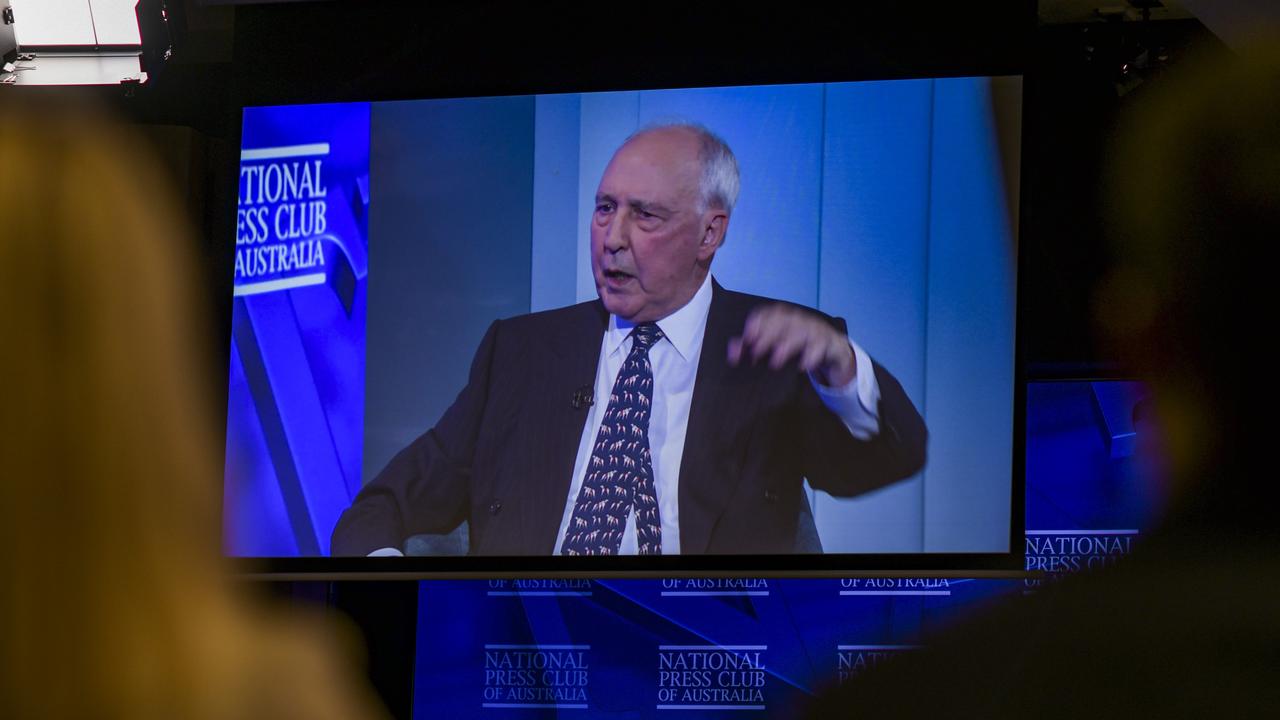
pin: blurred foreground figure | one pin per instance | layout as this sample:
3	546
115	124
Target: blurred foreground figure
114	601
1187	625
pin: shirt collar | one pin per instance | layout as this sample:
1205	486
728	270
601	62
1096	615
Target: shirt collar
681	328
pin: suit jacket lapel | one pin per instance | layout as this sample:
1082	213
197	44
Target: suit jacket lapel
707	478
575	351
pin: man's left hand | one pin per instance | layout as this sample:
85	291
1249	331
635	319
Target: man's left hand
782	332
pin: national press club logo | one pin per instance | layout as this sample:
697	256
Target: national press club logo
282	218
711	677
1060	552
537	676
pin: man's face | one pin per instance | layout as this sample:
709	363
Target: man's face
648	253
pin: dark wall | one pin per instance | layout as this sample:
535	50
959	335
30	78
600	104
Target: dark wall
1077	94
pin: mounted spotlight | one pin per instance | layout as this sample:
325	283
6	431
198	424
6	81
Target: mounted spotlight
157	40
1145	7
1126	51
8	40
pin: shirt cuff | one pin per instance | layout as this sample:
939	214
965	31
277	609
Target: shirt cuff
386	552
857	403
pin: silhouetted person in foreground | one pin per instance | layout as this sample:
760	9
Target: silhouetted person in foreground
115	600
1187	625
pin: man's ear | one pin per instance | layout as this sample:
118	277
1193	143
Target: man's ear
713	235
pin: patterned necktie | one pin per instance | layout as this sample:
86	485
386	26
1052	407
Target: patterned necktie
620	474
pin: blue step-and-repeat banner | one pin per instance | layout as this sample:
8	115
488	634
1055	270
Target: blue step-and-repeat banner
729	648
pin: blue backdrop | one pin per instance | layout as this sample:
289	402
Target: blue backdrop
296	398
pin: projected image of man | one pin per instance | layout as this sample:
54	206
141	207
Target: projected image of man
707	408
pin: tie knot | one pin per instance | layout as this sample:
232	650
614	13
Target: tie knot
644	335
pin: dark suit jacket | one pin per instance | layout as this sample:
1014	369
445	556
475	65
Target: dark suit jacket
502	455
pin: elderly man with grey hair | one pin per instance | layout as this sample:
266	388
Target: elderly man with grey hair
669	416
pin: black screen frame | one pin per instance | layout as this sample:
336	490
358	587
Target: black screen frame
278	61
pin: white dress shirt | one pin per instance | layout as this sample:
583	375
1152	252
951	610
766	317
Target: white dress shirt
674	360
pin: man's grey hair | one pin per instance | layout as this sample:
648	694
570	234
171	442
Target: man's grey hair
718	187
